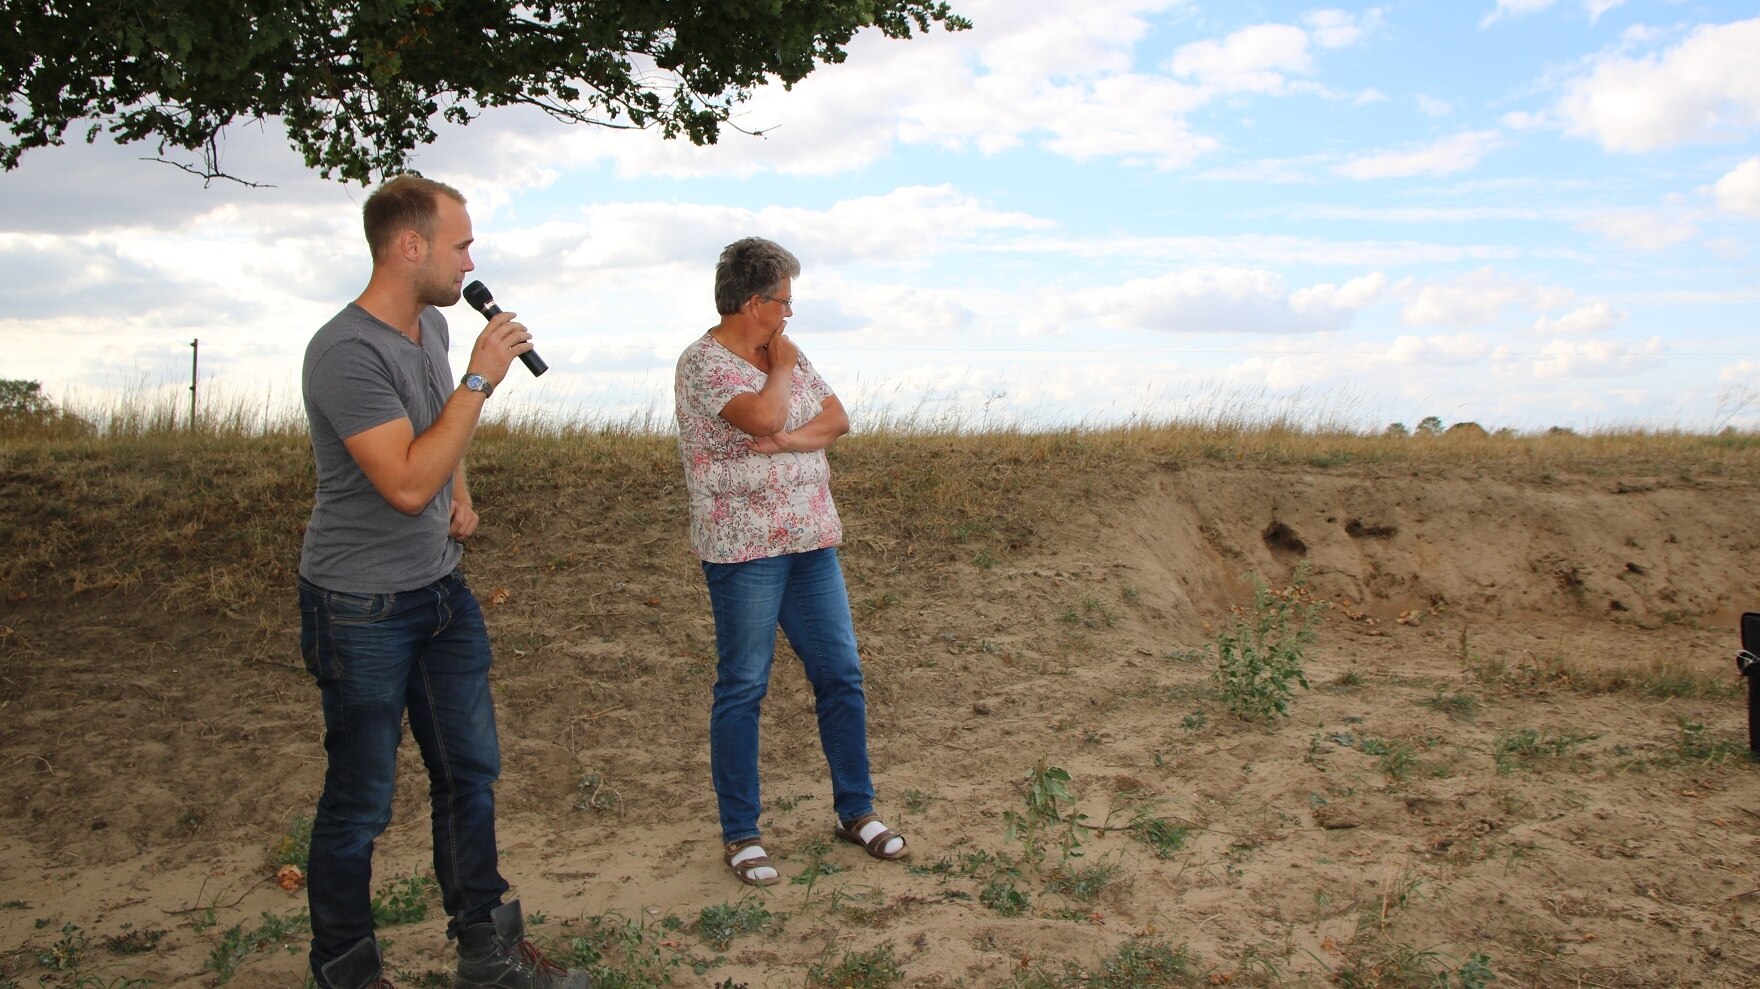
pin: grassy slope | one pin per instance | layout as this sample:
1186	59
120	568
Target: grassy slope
191	545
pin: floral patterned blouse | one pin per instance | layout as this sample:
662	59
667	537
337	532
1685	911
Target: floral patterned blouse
746	505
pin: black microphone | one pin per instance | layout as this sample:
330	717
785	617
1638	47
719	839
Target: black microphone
477	294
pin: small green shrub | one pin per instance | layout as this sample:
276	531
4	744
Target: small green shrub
1084	884
1003	896
1261	660
406	902
1162	836
1044	819
294	847
871	969
720	923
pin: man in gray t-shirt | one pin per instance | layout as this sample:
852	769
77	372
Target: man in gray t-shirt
388	625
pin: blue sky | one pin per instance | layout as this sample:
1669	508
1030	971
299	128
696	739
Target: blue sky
1524	213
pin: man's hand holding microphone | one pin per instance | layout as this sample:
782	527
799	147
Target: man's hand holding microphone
516	340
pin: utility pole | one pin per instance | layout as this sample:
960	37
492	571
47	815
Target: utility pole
195	352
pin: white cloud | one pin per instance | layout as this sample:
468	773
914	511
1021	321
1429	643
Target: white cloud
1642	230
1739	191
1029	73
1514	8
1229	301
1445	157
1477	298
1594	359
1706	88
1454	349
1522	8
1522	120
1341	28
1430	106
1739	373
1592	318
1354	294
1257	59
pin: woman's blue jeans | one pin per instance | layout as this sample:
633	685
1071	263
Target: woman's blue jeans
804	593
375	656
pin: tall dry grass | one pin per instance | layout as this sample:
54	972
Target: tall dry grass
136	498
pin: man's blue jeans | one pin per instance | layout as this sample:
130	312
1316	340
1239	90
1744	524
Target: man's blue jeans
374	657
804	593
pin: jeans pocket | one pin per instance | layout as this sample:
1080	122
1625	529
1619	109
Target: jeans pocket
344	608
312	635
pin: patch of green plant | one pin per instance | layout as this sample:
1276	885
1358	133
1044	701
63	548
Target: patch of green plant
917	801
1261	660
1045	819
1397	964
1694	745
1084	884
818	867
940	867
871	969
720	923
1525	748
1090	613
294	847
977	862
15	905
406	902
618	954
1459	706
1398	761
789	802
1003	896
870	606
65	954
596	794
1194	721
1141	964
238	943
135	942
1163	837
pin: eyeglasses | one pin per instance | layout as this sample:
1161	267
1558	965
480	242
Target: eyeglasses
786	303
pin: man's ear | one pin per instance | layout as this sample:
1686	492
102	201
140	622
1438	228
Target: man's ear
410	245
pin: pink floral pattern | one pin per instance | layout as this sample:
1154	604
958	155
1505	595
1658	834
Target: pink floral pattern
745	505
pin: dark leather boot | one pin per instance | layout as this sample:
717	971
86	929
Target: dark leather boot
356	968
496	955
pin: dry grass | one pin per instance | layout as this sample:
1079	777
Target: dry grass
130	495
199	531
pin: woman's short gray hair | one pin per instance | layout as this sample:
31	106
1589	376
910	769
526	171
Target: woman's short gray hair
753	266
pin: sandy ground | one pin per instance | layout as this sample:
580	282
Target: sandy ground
150	757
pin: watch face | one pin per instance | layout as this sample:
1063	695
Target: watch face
476	382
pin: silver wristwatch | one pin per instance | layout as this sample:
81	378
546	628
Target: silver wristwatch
476	382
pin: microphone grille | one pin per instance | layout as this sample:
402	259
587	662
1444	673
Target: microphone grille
477	294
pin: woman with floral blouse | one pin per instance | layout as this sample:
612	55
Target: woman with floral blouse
754	419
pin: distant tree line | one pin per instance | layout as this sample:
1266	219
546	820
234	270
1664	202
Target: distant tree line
1432	426
25	409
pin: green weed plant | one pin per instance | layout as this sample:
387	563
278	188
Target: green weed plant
1261	660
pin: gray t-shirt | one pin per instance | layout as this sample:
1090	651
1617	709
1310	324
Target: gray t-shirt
360	373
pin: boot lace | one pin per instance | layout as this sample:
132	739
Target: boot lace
529	953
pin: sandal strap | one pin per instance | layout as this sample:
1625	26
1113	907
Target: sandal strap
732	848
877	845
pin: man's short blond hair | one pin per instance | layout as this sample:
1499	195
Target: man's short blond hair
406	202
